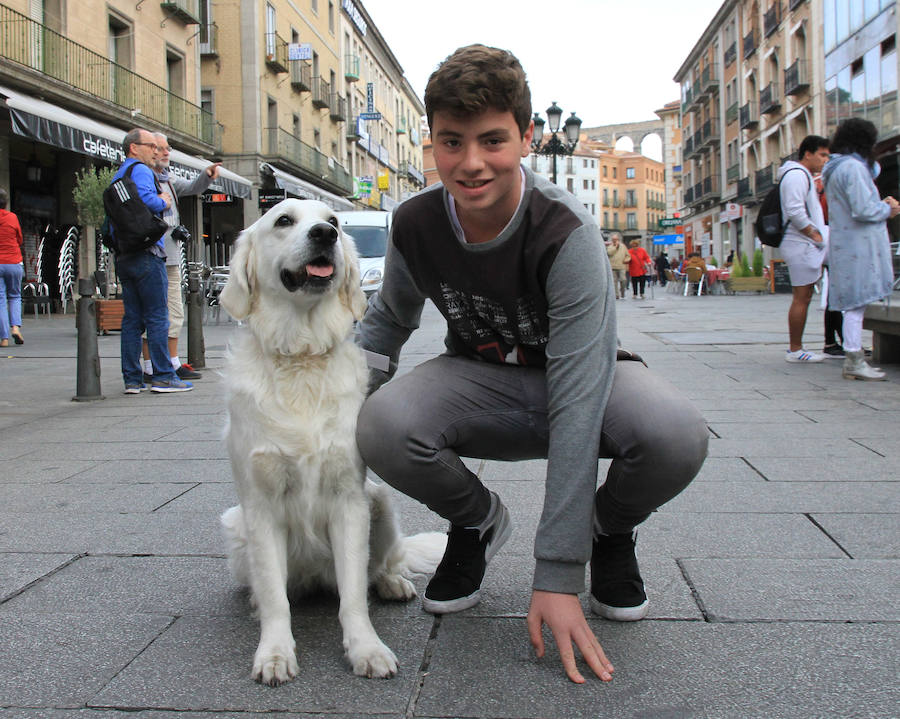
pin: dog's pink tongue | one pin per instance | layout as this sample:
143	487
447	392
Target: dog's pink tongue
320	270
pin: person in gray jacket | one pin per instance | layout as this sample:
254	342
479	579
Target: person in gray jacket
860	269
517	268
176	187
804	244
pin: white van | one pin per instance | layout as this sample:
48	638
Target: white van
369	229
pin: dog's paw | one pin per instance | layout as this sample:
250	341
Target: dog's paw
275	665
395	587
372	659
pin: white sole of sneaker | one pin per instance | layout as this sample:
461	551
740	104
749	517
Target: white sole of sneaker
170	389
502	533
620	614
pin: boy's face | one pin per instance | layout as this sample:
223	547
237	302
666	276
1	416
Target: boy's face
477	158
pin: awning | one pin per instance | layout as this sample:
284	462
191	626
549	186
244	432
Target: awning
43	122
304	189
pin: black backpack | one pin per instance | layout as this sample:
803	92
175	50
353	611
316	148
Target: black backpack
135	227
768	225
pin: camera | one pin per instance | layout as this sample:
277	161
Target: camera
181	234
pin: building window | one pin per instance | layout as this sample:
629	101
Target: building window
615	172
331	17
604	171
270	31
606	219
632	221
317	140
570	185
584	185
175	72
121	49
314	4
629	173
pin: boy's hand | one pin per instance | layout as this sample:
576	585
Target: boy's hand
563	614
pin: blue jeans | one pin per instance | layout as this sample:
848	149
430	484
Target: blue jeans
144	292
10	298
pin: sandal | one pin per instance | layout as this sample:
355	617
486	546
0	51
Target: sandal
17	336
4	343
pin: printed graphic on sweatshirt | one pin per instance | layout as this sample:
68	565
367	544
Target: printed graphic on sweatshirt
484	326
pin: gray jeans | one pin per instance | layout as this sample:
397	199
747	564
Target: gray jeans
414	429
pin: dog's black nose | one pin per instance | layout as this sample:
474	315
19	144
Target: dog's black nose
323	233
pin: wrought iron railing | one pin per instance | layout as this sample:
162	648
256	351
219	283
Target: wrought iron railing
301	75
337	107
750	43
292	149
351	67
763	180
321	89
795	78
187	11
730	54
772	18
33	45
769	99
209	39
744	189
749	115
731	114
276	52
732	174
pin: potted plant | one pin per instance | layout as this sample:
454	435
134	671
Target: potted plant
745	279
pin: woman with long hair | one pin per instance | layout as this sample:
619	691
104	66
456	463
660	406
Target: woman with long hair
860	268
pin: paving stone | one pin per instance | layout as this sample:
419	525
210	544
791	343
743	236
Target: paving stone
868	468
865	536
18	570
155	470
667	670
128	450
727	469
62	660
219	653
787	447
830	590
20	713
44	471
786	497
71	498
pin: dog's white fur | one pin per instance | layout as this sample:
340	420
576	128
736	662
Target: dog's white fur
296	383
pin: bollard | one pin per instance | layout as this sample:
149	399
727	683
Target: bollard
196	347
88	375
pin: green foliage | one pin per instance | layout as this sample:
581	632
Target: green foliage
713	261
745	266
758	263
736	270
88	193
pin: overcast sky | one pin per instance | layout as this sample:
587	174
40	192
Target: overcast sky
610	61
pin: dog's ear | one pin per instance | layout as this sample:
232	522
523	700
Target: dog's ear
351	294
235	296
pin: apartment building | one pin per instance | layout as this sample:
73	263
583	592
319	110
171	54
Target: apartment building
578	173
747	100
313	102
860	75
670	114
74	78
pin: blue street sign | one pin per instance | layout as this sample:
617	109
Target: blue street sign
370	115
667	239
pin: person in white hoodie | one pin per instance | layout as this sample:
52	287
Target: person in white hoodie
805	236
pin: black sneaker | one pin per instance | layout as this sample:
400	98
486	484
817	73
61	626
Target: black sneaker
835	351
456	584
148	379
617	590
187	372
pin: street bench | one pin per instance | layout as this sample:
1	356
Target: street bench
884	321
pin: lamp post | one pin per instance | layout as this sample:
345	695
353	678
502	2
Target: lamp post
554	147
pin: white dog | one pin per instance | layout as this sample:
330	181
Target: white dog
296	383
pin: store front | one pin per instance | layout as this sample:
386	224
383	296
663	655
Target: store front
47	146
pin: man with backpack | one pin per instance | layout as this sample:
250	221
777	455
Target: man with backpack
142	273
804	244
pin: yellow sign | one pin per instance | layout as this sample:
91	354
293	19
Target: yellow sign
384	180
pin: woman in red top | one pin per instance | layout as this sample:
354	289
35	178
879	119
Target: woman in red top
11	271
637	268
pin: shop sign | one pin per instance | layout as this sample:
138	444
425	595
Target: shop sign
216	198
732	211
271	197
384	180
300	51
355	15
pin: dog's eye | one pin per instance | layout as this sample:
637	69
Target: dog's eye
284	221
333	220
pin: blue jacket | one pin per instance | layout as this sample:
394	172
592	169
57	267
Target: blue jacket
859	261
145	181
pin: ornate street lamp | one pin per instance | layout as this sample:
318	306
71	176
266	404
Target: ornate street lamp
554	147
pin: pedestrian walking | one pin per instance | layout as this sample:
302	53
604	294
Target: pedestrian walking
619	258
11	273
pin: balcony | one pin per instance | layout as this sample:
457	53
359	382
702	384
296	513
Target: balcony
688	100
772	18
796	79
730	54
32	45
744	190
698	141
631	203
689	196
401	126
749	116
688	147
209	40
321	89
276	52
301	75
337	107
413	173
351	129
763	181
769	99
711	131
616	202
710	188
289	149
733	173
186	12
731	114
709	79
750	43
351	68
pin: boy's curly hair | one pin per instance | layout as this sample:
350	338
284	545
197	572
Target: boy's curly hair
476	78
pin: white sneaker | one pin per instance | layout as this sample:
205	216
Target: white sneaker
803	356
